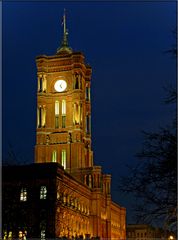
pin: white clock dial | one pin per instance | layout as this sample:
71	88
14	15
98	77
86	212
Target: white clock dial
60	85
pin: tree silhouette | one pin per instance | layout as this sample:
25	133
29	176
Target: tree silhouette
153	182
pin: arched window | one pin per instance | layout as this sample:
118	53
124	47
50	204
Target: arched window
88	124
81	114
87	94
38	117
40	86
41	116
77	114
76	203
63	158
63	113
56	114
42	83
63	107
54	156
76	81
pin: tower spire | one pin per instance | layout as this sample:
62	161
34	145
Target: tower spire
64	45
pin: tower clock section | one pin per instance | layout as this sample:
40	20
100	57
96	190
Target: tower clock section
64	111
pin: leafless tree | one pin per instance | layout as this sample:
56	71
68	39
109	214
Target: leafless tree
153	182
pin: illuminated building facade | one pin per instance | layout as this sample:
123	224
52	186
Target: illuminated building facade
147	232
81	197
64	136
140	232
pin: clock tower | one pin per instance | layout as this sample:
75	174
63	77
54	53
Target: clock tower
63	132
63	176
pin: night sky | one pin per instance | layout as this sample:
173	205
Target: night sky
125	44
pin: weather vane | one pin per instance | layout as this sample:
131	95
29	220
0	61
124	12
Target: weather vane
64	44
64	28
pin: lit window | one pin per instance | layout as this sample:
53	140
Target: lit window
41	83
75	203
63	107
76	114
25	235
82	209
72	202
5	235
63	113
43	234
64	198
10	235
43	192
54	156
81	113
58	195
41	116
56	107
44	84
63	158
85	209
56	114
20	234
23	195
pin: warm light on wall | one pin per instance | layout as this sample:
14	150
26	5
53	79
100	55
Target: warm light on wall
171	237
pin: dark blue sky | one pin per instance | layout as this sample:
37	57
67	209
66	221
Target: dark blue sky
124	42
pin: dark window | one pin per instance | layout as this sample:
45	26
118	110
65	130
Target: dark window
41	85
40	116
88	124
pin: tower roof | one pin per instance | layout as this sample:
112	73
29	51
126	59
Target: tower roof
64	48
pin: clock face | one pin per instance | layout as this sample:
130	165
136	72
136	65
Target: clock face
60	85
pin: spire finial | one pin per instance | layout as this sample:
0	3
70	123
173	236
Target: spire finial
65	30
64	45
64	22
